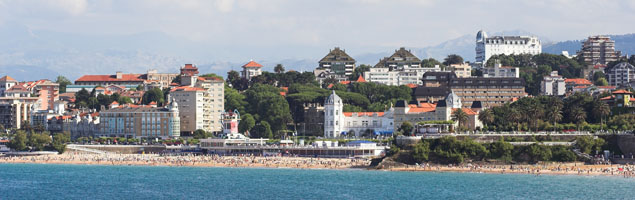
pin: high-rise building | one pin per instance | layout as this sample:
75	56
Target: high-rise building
486	46
6	82
598	50
201	101
553	85
336	64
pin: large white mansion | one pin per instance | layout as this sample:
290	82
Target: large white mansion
338	123
486	47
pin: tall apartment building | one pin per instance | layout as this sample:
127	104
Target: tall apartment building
201	101
621	75
500	71
401	68
553	85
48	92
251	69
17	103
486	46
598	50
336	64
141	122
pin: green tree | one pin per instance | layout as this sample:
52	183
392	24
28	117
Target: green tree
486	116
201	134
431	62
421	151
38	140
460	116
406	128
585	144
602	109
279	69
452	59
578	115
63	82
601	82
501	150
154	94
263	130
60	140
555	115
19	141
213	76
247	122
563	154
538	152
359	71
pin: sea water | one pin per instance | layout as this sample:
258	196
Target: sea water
43	181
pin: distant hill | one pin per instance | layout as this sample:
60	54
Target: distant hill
624	43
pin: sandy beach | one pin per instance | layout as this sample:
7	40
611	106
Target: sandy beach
627	171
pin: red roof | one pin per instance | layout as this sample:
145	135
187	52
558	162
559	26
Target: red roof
345	82
361	79
466	110
283	93
187	89
350	114
621	92
577	81
606	98
174	84
114	103
110	78
153	103
7	79
411	85
252	64
607	87
17	88
189	66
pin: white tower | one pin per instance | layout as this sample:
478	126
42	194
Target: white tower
333	117
176	121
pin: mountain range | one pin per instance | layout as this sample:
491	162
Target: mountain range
34	54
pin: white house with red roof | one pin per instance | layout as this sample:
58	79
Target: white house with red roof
341	124
251	69
6	82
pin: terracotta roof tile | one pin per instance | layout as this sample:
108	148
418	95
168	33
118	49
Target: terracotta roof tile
577	81
466	110
621	92
7	79
252	64
187	89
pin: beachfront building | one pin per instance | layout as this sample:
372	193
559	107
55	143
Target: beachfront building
141	122
15	111
251	69
336	64
191	102
621	75
201	101
500	71
354	124
440	111
486	46
552	85
401	68
47	92
598	50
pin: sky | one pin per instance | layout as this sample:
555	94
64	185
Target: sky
297	29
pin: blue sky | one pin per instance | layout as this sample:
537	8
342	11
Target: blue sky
237	30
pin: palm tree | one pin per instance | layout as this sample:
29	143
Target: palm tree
578	115
278	69
515	117
554	114
534	112
486	116
460	116
601	108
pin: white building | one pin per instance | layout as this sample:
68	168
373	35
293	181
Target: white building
553	85
401	68
500	71
190	101
251	69
358	124
620	75
486	47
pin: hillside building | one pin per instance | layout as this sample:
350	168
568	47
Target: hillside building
553	85
486	46
621	75
251	69
598	50
336	64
